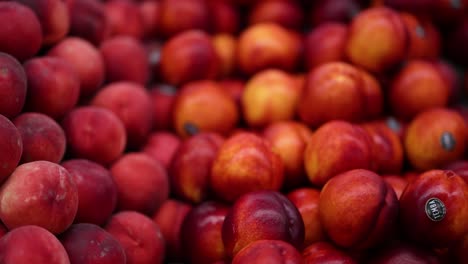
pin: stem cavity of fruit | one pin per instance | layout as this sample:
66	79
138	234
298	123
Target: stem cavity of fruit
447	140
191	129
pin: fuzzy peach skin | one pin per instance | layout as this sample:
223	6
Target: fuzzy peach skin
371	222
377	39
245	162
268	251
39	193
90	244
261	215
436	223
32	244
335	147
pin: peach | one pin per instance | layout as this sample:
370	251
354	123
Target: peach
325	43
12	147
97	192
169	217
306	200
424	37
341	11
434	208
13	86
332	90
224	15
201	233
32	244
245	162
336	147
268	251
23	38
289	140
124	18
387	148
272	46
43	138
195	54
149	13
94	133
142	183
225	46
261	215
85	59
88	20
125	59
131	102
90	244
371	222
404	252
54	17
397	182
163	97
418	86
435	138
269	96
191	166
286	13
53	86
325	252
182	15
190	114
39	193
377	39
139	236
162	147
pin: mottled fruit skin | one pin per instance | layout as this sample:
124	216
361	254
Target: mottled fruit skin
245	163
39	193
190	169
24	37
431	222
332	90
335	147
11	145
371	222
261	215
418	86
32	244
268	251
435	138
43	138
91	244
201	232
97	192
325	252
13	86
377	39
139	236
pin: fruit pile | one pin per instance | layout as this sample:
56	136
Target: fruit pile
233	131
